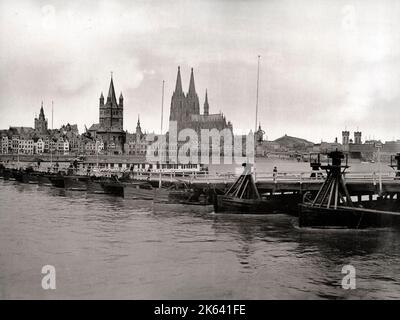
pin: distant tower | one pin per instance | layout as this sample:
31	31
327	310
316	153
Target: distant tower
206	105
357	137
101	102
41	122
139	132
121	100
345	137
259	135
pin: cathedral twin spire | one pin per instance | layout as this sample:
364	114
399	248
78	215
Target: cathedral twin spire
192	89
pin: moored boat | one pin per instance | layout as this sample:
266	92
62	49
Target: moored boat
30	176
76	182
44	179
243	198
285	203
113	187
138	190
94	185
57	180
7	174
333	207
17	175
2	168
180	198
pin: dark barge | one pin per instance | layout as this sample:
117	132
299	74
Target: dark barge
243	197
333	206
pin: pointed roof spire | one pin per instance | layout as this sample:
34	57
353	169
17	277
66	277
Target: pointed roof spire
101	95
178	86
41	113
192	89
121	97
206	105
111	92
138	121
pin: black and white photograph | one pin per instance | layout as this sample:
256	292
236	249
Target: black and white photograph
199	150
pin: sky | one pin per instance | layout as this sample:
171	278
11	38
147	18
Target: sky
325	66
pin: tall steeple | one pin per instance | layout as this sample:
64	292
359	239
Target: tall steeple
192	100
41	114
178	86
138	128
111	93
101	100
121	100
192	89
206	106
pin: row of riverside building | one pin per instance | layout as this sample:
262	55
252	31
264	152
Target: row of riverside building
108	135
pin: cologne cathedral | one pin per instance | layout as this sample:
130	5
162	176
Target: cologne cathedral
185	109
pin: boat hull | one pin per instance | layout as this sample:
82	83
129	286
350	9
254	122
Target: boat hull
269	205
113	187
76	183
94	186
138	192
17	175
7	174
346	217
44	180
159	207
57	181
31	178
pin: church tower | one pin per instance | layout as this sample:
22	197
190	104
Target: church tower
41	122
111	113
139	132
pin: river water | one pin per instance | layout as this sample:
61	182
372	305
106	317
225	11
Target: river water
111	248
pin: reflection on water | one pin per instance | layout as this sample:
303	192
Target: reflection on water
109	247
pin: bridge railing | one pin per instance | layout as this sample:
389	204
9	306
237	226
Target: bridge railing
228	177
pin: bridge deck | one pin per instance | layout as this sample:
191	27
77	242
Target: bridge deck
357	183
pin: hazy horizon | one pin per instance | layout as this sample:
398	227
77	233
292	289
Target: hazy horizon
325	66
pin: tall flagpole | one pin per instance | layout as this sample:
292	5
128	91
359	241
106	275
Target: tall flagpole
52	112
162	106
255	127
161	144
258	81
51	135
